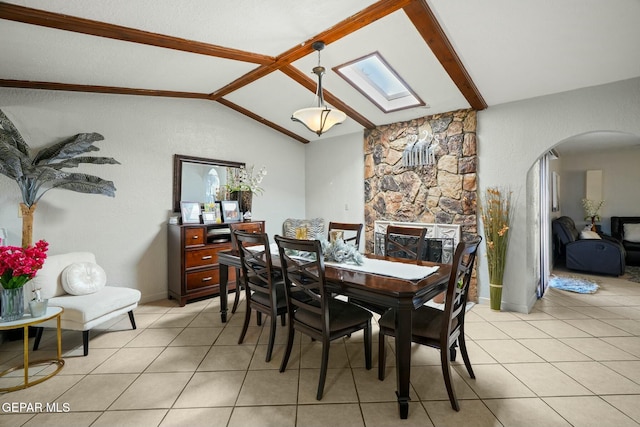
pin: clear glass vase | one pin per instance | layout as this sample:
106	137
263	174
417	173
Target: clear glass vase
12	304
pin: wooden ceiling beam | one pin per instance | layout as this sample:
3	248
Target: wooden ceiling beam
344	28
427	25
311	84
261	120
102	29
26	84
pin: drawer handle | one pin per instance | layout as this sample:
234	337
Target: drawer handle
207	257
206	279
195	237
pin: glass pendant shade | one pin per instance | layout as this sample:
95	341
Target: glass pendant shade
321	118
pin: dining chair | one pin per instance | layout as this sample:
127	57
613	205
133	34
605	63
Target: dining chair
251	227
441	329
312	309
263	285
404	242
354	231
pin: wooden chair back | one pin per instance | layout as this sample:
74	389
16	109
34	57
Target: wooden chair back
405	242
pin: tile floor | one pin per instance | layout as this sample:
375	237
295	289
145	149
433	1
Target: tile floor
573	361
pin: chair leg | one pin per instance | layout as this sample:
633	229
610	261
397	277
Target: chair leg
323	367
245	326
465	355
448	380
39	331
85	342
236	299
132	320
283	319
272	336
259	318
367	345
382	356
287	352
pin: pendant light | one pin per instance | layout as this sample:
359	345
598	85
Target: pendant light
321	118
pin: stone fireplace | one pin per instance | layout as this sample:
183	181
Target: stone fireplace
441	193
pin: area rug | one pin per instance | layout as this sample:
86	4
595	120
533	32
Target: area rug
632	273
573	284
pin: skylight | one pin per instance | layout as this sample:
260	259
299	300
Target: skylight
372	76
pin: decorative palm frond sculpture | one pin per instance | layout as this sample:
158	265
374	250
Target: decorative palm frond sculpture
43	172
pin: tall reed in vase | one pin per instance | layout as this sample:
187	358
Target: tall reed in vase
496	218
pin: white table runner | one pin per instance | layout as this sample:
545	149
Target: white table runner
389	268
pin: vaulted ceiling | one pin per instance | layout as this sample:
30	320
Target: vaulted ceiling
255	56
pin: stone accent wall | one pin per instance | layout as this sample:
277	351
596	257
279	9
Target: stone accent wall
442	193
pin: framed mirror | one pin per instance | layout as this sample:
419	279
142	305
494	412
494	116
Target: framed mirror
196	179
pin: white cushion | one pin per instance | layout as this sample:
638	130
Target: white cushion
588	234
632	233
83	278
48	278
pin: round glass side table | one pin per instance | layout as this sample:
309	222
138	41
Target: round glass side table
25	322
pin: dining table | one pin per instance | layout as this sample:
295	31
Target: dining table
401	294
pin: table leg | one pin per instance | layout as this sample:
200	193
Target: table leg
224	279
26	355
59	334
403	358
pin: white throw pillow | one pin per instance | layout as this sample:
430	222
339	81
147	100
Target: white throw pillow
632	233
82	278
588	234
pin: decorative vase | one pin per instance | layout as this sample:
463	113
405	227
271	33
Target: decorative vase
27	223
247	201
12	304
495	296
593	224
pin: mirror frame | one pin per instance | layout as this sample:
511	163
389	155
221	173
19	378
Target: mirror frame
179	160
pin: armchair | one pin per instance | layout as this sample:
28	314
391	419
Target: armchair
620	224
599	254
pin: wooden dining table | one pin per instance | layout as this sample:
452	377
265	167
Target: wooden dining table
403	295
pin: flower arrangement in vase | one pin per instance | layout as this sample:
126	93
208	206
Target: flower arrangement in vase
592	211
17	266
243	183
496	219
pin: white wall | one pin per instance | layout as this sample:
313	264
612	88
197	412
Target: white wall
128	232
511	138
620	177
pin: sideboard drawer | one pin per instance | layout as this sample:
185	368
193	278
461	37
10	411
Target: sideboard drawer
200	257
194	236
202	278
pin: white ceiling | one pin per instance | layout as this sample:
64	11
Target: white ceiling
510	50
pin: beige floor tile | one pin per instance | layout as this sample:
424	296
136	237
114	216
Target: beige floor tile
81	364
129	360
589	412
174	319
385	414
628	369
344	415
598	328
564	313
113	339
472	413
371	389
196	336
207	319
428	383
159	337
263	416
628	312
140	418
477	355
269	387
231	334
597	349
632	326
558	329
553	350
75	419
211	417
311	354
520	329
509	351
599	312
492	315
227	357
627	404
178	359
143	320
152	391
483	331
629	344
97	392
495	381
8	419
598	378
211	389
546	380
339	386
535	314
47	391
532	411
258	361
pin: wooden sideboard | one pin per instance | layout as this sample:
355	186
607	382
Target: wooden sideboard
193	260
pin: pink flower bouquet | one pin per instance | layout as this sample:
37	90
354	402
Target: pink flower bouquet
19	265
